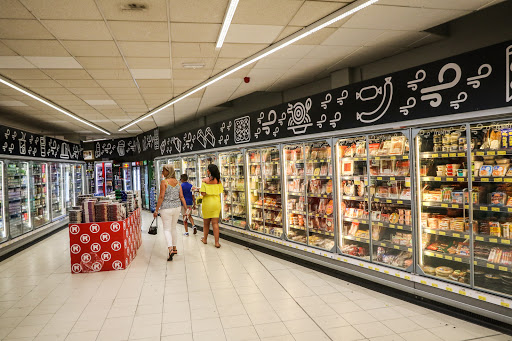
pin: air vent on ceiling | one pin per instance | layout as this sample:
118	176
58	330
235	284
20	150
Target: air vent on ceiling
133	6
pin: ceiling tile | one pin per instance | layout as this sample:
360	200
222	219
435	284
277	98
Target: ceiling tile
13	9
265	12
469	5
238	74
116	83
154	83
39	83
317	37
156	10
198	11
191	50
37	47
139	30
157	91
144	49
102	63
151	73
224	63
54	62
101	48
186	83
292	51
397	38
78	83
252	33
122	97
352	37
401	18
288	30
63	9
240	50
23	29
15	62
78	29
5	51
148	63
177	63
122	91
110	74
276	63
97	102
191	74
67	74
12	104
51	91
330	52
312	11
89	97
197	33
87	91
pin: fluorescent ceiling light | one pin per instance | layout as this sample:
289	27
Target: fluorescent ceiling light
344	12
227	21
50	104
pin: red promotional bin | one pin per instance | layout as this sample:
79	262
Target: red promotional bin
104	246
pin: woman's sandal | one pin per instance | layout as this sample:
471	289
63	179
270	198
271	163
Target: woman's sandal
217	246
171	254
204	242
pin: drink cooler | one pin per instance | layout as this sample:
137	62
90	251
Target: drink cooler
105	246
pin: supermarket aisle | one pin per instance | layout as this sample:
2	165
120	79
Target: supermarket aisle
209	294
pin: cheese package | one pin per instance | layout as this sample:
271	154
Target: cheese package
485	170
499	170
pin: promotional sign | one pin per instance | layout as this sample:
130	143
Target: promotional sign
17	142
105	246
132	148
468	82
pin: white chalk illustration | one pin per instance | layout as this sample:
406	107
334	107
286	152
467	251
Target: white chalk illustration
337	118
23	143
7	134
276	131
420	77
229	126
300	119
177	144
369	93
387	96
42	147
432	93
328	99
64	151
475	80
242	130
120	148
282	119
508	72
344	95
322	120
411	103
462	97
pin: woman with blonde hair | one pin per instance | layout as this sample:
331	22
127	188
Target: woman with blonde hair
169	206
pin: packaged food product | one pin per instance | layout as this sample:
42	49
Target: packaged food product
504	138
405	194
485	170
444	271
433	223
385	147
361	148
429	270
347	167
499	170
457	197
397	145
494	229
498	198
374	149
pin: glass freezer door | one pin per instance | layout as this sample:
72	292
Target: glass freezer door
68	186
3	218
233	200
78	172
296	224
190	168
100	179
39	191
353	209
57	190
127	177
109	177
18	198
443	203
204	161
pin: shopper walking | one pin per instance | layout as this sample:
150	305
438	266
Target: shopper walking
211	189
186	215
169	203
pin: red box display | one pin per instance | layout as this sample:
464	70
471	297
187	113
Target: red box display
104	246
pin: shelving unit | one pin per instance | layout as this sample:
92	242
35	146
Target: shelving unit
18	198
232	172
57	190
39	194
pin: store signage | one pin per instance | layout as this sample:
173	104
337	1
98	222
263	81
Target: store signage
468	82
18	142
143	145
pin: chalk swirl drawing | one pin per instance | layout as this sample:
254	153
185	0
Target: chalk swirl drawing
7	134
242	130
387	96
344	95
508	73
272	118
420	77
320	123
462	97
411	103
300	119
432	93
328	99
475	80
337	118
23	143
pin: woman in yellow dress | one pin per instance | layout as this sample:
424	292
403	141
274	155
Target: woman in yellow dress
211	189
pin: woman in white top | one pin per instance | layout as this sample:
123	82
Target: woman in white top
169	206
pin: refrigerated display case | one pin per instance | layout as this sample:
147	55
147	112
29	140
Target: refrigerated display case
190	168
78	187
18	184
136	176
144	184
176	164
68	186
57	190
39	194
205	160
265	206
89	185
3	217
127	176
232	171
309	194
104	178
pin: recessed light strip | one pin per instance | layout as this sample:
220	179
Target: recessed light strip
306	31
227	21
17	87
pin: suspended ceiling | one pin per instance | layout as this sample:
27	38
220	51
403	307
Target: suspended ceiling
110	65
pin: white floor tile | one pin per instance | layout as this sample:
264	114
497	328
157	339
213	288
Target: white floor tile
271	330
245	333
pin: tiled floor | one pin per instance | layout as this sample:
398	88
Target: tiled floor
231	293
